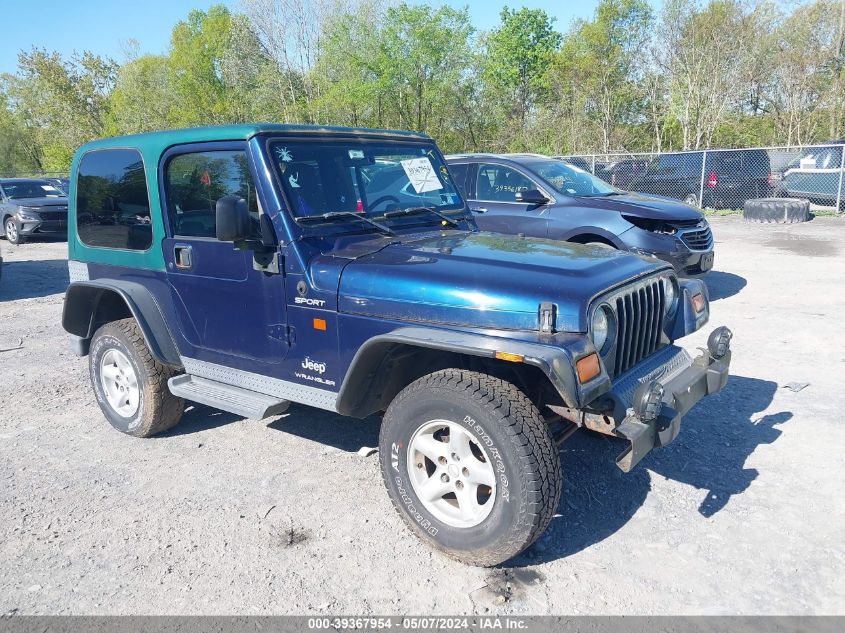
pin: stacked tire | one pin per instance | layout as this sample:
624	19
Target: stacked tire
779	210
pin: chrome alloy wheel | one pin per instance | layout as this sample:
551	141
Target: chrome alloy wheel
119	382
451	474
11	231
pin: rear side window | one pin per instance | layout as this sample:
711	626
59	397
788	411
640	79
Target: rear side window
112	202
497	183
196	181
459	176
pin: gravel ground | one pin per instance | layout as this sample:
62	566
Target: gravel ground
743	513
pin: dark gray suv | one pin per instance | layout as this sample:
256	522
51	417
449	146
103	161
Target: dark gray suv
537	196
30	207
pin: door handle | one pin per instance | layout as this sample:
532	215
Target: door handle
183	256
479	209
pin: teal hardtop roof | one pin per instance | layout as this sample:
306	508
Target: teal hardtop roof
166	138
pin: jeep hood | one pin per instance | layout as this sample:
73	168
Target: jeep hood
643	206
484	280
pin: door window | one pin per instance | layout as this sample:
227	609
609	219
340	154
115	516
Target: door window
196	181
498	183
459	177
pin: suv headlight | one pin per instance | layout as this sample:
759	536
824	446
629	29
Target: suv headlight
28	215
670	293
600	329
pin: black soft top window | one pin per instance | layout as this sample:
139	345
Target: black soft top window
112	201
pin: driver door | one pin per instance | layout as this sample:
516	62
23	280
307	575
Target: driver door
494	205
228	312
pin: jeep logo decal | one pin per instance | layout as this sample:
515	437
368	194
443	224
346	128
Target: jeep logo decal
314	366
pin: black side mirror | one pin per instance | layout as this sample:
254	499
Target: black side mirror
232	219
531	196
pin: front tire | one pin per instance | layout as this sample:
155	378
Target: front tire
470	465
10	228
131	385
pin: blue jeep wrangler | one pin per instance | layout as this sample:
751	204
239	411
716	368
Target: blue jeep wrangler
247	267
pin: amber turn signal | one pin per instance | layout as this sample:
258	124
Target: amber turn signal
514	358
698	302
588	367
320	324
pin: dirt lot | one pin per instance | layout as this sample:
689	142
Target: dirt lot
742	514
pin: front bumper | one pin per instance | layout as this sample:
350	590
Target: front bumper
684	381
42	227
688	263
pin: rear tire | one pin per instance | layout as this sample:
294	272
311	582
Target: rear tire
447	434
131	385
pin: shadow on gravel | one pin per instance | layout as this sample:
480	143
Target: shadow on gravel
198	417
323	427
710	453
331	429
723	285
30	279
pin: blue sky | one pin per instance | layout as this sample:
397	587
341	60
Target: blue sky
103	26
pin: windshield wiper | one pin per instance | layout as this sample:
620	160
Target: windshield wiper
335	215
418	210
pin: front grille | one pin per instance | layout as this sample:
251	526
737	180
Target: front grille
52	216
639	322
698	239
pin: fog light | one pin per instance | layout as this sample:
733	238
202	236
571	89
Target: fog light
719	342
648	400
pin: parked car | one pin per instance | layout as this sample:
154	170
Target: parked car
60	183
816	175
622	173
481	350
31	207
730	177
547	198
578	161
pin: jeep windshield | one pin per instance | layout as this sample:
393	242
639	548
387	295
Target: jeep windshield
377	180
570	180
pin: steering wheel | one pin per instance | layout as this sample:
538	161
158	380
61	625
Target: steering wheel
382	199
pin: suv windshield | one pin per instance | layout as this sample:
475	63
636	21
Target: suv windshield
32	189
370	178
570	180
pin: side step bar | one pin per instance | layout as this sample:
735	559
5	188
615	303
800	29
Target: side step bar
237	400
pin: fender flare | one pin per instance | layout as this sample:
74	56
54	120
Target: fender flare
83	300
556	360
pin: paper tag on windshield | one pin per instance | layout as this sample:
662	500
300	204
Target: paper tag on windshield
421	174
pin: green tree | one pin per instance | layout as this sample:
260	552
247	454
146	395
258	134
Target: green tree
599	68
406	67
518	56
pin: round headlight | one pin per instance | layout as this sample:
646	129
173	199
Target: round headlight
600	328
671	296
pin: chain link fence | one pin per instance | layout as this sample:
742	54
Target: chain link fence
726	178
